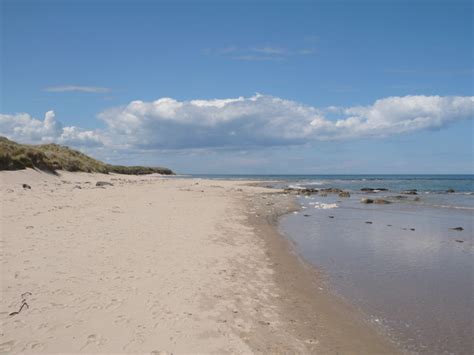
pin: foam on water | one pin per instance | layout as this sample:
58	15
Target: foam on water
323	206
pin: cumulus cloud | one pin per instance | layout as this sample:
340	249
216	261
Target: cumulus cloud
241	123
263	120
26	129
78	88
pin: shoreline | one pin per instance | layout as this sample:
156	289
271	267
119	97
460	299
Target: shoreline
156	264
320	319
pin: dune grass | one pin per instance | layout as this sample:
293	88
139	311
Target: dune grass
53	157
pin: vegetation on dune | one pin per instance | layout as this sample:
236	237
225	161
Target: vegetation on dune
52	157
138	170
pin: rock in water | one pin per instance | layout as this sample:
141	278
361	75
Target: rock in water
103	183
366	200
400	197
450	191
309	191
344	194
381	202
332	190
457	229
303	191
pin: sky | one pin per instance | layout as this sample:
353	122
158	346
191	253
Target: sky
244	87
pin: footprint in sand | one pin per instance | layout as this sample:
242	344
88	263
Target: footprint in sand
34	346
7	346
122	319
96	339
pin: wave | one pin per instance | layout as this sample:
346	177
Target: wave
449	206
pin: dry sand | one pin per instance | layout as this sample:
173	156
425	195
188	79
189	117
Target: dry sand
155	264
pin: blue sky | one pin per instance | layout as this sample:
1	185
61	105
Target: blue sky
89	60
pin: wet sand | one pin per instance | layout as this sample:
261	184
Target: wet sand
154	265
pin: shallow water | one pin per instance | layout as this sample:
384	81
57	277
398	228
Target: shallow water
418	284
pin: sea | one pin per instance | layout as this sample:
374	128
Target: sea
407	265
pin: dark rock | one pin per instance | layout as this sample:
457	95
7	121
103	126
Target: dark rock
410	192
332	190
459	241
368	222
381	202
450	191
103	183
26	186
309	191
412	229
400	197
389	225
306	215
305	191
366	200
344	194
331	216
457	229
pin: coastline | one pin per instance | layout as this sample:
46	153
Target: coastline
155	264
322	321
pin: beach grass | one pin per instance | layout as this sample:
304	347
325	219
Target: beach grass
53	157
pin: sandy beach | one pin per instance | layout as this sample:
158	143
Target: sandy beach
160	265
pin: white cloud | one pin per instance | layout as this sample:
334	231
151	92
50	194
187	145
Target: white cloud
259	58
241	123
26	129
78	88
262	53
263	120
270	50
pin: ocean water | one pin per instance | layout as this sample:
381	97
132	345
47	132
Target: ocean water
434	183
401	264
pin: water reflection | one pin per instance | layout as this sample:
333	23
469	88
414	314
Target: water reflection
418	283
